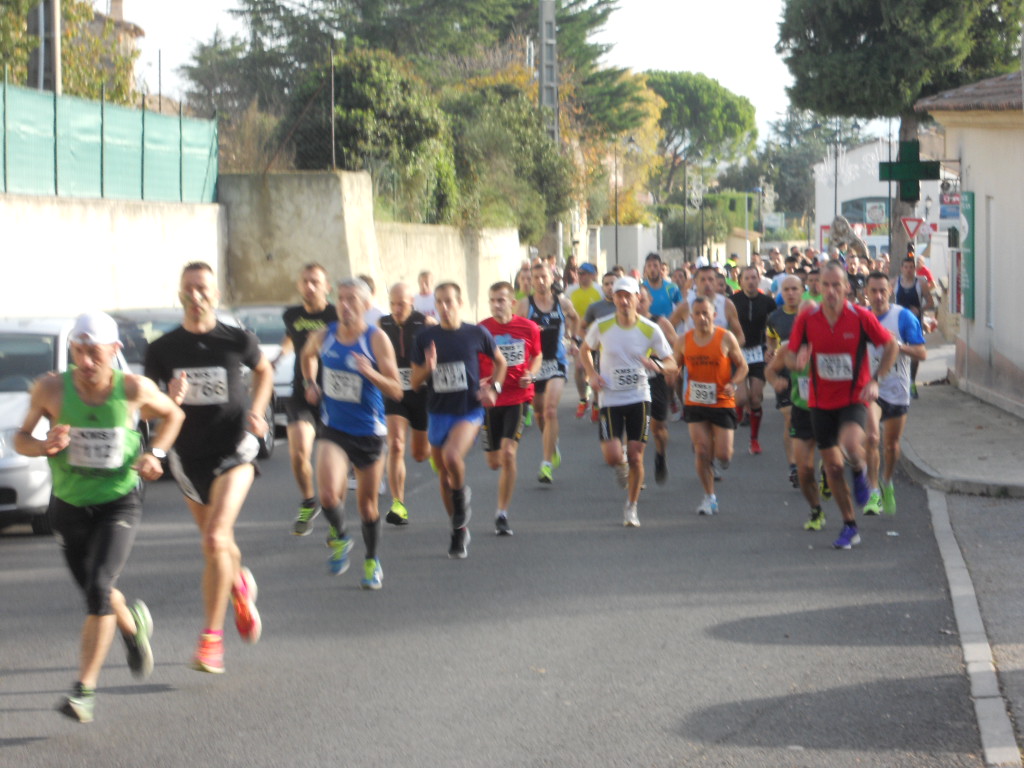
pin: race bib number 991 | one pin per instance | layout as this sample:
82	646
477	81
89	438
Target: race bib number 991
703	392
96	448
206	386
450	377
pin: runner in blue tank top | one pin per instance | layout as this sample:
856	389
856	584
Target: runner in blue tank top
358	366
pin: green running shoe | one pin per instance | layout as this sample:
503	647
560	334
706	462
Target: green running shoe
398	514
823	489
888	499
303	525
337	563
556	460
817	521
373	576
545	476
528	417
136	647
79	705
874	505
433	465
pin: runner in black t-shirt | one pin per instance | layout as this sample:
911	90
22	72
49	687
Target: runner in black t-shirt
212	460
313	314
446	358
752	310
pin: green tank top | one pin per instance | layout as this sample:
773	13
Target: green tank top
799	382
96	467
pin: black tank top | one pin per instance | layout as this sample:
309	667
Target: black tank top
402	335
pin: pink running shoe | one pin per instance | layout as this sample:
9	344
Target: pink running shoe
243	596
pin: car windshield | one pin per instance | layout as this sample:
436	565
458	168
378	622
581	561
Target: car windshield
23	358
268	325
138	334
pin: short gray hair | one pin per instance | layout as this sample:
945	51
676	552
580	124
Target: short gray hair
360	285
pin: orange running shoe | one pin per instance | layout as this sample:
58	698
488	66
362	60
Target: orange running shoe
243	596
581	409
209	654
595	414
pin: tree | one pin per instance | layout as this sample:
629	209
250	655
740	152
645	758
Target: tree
700	116
15	42
861	58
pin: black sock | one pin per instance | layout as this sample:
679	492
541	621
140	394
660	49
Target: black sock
371	532
309	503
336	517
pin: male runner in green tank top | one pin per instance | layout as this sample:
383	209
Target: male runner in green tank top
94	449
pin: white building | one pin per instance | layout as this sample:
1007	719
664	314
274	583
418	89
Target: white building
984	129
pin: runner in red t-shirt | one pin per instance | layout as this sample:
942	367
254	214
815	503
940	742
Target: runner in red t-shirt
519	341
834	339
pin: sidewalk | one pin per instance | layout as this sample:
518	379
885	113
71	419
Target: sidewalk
974	452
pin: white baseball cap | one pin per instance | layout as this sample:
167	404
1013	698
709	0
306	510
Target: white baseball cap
95	328
627	284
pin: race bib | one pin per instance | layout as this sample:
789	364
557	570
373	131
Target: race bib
627	378
835	367
803	385
703	392
515	353
450	377
753	354
548	370
206	386
405	377
96	448
343	386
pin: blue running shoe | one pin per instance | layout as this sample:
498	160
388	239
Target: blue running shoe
373	576
861	491
848	537
337	563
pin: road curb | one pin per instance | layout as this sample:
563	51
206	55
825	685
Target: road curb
926	475
998	741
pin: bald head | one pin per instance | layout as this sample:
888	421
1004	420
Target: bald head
400	300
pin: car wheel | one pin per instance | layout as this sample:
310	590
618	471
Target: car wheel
270	438
41	525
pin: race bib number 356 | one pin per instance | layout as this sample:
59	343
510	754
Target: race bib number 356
450	377
515	353
206	386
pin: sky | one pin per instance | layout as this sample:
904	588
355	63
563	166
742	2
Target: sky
705	37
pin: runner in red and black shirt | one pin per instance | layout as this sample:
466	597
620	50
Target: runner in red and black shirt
519	341
834	339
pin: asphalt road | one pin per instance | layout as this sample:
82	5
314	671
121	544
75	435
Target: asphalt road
738	640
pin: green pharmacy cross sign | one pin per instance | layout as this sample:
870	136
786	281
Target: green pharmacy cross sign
909	170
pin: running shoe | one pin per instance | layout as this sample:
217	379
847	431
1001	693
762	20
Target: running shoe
874	505
79	705
794	476
817	521
303	525
243	596
373	576
209	654
660	468
888	499
459	549
528	416
708	506
848	537
629	516
556	459
715	471
581	409
622	474
544	476
823	489
337	563
501	526
433	465
913	390
595	414
861	491
755	447
137	649
460	521
398	514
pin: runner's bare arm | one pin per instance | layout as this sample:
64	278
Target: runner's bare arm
731	346
309	364
733	319
385	377
44	403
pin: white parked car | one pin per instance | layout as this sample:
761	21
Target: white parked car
29	347
267	322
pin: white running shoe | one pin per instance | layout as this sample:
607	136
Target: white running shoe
622	474
629	516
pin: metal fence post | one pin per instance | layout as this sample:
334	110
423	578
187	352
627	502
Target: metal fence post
56	150
142	158
181	155
6	155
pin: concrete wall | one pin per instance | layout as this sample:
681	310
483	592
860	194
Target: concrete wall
62	256
990	347
278	222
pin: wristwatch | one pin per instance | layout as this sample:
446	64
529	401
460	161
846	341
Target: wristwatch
497	387
159	453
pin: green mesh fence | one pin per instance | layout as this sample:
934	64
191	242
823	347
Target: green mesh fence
71	147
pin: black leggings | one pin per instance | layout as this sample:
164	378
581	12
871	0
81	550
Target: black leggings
96	541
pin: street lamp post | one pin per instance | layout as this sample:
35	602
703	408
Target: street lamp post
630	142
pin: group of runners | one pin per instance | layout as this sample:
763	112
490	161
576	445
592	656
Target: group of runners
421	381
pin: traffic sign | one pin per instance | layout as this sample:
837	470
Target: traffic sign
912	226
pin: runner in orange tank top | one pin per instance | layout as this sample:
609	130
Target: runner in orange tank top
714	366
